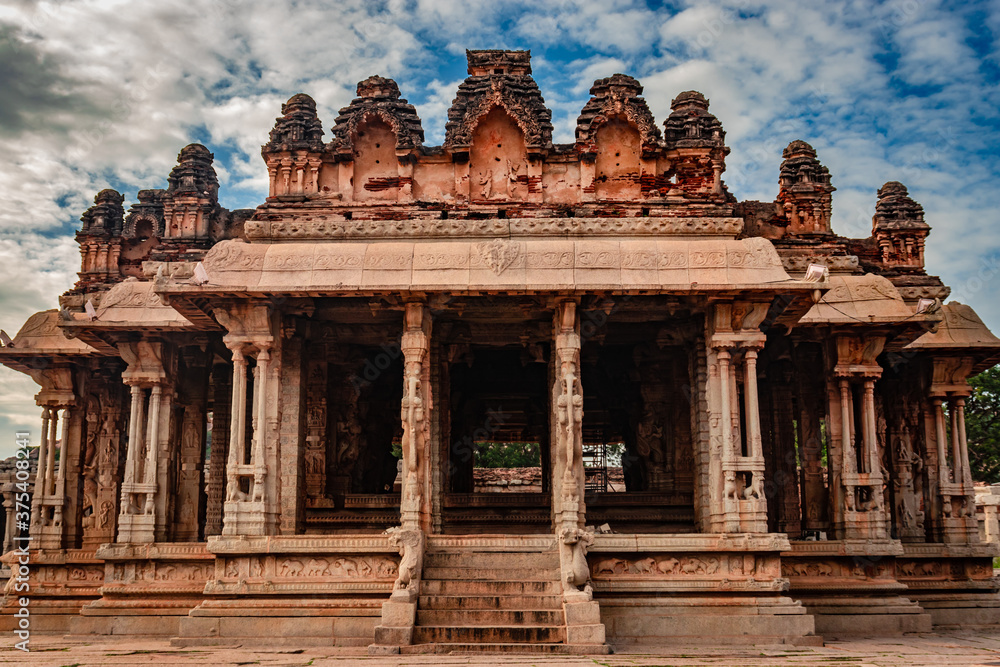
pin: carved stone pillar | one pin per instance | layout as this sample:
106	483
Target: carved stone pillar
39	492
101	528
48	479
133	525
291	391
222	387
583	624
815	499
59	489
145	498
316	435
737	499
49	500
187	526
399	612
414	504
251	506
8	490
567	422
954	521
860	511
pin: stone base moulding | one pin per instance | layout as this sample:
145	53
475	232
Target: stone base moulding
148	587
850	586
954	583
61	583
655	589
293	591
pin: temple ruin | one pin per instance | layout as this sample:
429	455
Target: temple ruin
263	425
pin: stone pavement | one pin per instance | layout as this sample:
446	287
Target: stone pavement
947	649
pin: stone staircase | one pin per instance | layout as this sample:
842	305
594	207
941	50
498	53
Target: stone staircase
490	597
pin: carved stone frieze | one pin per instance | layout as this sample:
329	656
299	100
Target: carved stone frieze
332	228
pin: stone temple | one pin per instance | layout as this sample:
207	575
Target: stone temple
263	425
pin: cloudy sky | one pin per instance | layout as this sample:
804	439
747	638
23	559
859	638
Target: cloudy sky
97	94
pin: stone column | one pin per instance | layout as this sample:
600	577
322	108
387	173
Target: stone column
39	492
192	450
730	489
399	612
135	434
60	484
726	404
944	474
291	434
222	384
567	422
416	395
237	430
239	518
862	514
107	423
147	489
9	502
50	457
257	492
253	328
868	426
253	512
958	474
815	499
849	460
272	177
132	481
737	499
583	623
963	443
152	445
752	407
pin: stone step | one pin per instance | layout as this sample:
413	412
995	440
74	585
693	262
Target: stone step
489	573
488	559
506	602
490	617
554	649
489	588
472	634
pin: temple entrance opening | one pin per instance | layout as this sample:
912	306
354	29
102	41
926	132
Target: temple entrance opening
499	435
352	368
637	420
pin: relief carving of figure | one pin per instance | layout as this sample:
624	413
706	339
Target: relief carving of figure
486	184
413	417
569	408
349	432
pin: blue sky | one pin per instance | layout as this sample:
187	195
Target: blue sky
104	94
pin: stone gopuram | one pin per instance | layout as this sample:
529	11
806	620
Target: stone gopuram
264	425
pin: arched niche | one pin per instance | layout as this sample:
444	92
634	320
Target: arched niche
617	170
498	164
376	174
